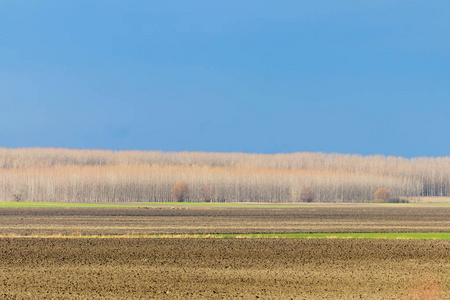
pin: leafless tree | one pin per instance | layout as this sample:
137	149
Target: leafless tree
206	193
381	196
180	192
307	194
64	175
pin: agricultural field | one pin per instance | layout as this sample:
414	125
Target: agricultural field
63	268
147	219
224	251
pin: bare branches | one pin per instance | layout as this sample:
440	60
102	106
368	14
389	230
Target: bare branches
381	196
128	176
307	195
180	192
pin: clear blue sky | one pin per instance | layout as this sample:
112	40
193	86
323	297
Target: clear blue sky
366	77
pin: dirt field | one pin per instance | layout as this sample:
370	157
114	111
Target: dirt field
128	268
223	268
183	220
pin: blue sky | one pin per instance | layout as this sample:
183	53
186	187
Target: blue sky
365	77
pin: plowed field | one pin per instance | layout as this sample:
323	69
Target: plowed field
223	268
195	220
33	267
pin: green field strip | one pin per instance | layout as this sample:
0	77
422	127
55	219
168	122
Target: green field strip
59	204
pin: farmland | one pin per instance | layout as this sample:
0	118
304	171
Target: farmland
222	219
223	268
223	251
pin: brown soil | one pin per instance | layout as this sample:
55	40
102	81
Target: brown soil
94	221
35	268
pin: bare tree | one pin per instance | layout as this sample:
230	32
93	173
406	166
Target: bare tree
180	191
381	196
206	193
63	175
307	195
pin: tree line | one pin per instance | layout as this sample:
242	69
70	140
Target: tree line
64	175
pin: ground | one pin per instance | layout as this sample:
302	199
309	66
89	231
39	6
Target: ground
66	264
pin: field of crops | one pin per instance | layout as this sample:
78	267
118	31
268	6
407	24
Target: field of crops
66	264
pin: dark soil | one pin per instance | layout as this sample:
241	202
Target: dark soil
62	268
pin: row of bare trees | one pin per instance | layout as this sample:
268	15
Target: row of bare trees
40	174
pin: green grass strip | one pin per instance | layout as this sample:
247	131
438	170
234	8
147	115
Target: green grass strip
55	204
